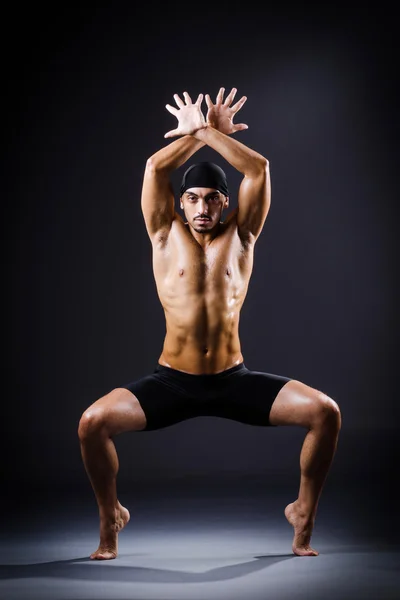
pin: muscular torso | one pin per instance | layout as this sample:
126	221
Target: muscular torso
202	292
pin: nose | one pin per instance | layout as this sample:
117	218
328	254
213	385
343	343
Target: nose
203	207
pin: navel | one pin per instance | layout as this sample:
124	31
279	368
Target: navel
228	272
205	350
180	272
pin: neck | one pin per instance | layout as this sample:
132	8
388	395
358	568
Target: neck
205	239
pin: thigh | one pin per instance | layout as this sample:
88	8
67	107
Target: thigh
118	411
164	400
299	404
249	395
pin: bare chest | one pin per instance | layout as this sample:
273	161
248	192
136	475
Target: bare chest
183	265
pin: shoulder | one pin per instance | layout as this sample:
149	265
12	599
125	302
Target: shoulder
231	223
163	235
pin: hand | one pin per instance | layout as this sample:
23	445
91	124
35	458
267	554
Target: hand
189	115
220	114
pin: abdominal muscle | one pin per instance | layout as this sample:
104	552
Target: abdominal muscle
198	344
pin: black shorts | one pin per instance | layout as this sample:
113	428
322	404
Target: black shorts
169	396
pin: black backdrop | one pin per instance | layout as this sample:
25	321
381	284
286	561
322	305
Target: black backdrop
85	92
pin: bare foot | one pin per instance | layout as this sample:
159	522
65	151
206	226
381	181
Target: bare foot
303	527
108	547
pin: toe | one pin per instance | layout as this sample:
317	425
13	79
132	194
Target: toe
103	555
305	551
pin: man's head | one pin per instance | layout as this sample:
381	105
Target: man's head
204	193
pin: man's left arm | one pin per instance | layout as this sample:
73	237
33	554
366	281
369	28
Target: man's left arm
254	196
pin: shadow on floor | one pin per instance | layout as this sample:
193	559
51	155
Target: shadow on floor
86	569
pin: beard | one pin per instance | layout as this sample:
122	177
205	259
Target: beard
202	228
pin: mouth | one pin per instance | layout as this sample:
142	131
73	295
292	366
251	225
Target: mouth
202	220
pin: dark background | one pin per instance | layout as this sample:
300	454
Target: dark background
85	90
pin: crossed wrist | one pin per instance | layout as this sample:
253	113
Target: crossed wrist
199	133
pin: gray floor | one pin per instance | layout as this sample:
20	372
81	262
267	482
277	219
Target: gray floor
208	540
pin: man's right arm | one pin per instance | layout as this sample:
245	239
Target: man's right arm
158	202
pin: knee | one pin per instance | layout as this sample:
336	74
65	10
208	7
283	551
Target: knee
92	422
326	412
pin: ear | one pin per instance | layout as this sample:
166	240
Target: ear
226	203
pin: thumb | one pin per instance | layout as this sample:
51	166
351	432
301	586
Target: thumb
241	126
172	133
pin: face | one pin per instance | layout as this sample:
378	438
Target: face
203	203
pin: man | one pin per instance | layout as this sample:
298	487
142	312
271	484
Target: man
202	268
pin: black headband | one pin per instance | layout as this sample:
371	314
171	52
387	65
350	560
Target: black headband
205	174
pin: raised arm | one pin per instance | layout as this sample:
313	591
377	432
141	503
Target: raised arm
158	204
254	196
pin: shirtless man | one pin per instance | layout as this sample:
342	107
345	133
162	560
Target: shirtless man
202	268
